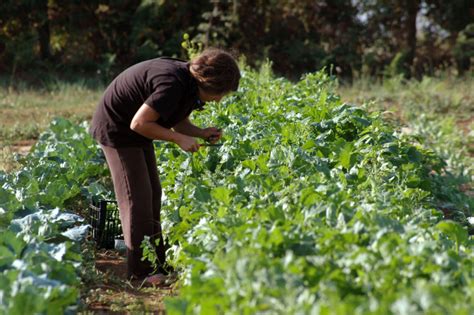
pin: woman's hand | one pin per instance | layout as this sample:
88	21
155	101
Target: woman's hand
212	134
188	144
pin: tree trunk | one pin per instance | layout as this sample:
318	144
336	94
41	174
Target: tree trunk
410	29
210	23
43	30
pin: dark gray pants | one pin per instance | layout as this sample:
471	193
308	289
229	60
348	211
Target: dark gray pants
138	192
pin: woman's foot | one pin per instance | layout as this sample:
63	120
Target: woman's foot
156	280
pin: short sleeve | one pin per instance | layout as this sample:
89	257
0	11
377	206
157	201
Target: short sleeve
166	96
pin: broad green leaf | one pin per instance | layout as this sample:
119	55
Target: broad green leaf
345	156
454	231
222	194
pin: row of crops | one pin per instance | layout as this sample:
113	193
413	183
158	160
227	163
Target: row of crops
310	206
313	207
41	244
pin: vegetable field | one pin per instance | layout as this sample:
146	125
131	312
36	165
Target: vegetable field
310	206
41	257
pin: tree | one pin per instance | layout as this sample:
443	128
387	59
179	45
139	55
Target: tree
464	49
453	15
391	32
298	35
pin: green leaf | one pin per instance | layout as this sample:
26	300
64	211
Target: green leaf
276	235
345	156
454	231
201	193
176	306
222	194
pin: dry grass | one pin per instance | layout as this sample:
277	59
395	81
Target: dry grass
25	112
437	97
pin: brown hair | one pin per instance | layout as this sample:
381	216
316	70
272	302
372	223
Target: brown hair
216	71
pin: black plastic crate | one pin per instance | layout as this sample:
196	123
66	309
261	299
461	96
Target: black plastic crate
105	221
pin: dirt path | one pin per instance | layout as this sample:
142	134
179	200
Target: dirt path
23	147
114	294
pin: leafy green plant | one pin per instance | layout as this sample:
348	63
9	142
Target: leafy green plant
192	47
311	205
149	253
40	253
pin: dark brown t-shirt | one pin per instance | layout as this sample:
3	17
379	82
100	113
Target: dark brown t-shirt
165	84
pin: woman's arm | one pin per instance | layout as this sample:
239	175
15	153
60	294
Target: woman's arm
186	127
144	123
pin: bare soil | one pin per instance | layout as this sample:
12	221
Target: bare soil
23	147
114	294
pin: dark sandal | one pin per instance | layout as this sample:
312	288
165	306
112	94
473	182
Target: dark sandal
153	281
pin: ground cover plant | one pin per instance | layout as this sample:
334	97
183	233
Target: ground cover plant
310	205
